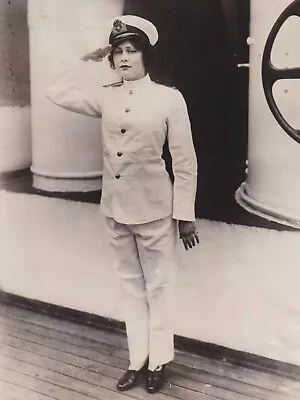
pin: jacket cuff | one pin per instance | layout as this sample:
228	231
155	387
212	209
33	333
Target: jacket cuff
184	216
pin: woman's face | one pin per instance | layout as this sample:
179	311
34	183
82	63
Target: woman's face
128	61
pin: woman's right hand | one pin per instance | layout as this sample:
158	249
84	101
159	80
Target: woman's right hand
98	54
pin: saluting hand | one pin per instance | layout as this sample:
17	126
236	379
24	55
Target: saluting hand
98	54
188	234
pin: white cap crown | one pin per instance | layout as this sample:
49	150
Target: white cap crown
130	25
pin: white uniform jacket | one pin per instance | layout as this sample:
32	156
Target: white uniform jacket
137	116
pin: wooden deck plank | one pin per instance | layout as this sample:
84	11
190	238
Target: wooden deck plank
63	326
91	390
235	373
67	348
14	392
190	380
244	375
93	377
91	355
175	391
60	335
4	397
263	380
72	370
248	376
63	357
52	384
231	385
107	382
6	392
69	360
63	336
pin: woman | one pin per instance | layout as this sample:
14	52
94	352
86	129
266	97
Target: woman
143	209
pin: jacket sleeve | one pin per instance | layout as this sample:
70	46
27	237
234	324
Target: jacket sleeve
67	90
184	159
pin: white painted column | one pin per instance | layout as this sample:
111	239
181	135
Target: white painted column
272	187
67	152
15	146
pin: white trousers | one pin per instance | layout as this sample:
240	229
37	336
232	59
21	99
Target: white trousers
146	265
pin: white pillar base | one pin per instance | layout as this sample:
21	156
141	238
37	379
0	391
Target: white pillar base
64	185
263	210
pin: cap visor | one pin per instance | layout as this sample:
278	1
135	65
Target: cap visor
126	36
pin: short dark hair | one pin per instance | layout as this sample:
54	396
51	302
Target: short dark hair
140	44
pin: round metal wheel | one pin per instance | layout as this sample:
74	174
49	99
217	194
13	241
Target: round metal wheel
271	74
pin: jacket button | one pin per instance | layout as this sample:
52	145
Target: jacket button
123	130
118	176
119	154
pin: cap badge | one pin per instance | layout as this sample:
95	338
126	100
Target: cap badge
119	27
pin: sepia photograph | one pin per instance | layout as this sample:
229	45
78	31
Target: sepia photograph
149	199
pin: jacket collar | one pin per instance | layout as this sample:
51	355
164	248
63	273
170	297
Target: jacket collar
137	83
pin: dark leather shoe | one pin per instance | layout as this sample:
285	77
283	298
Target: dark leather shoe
155	379
130	378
